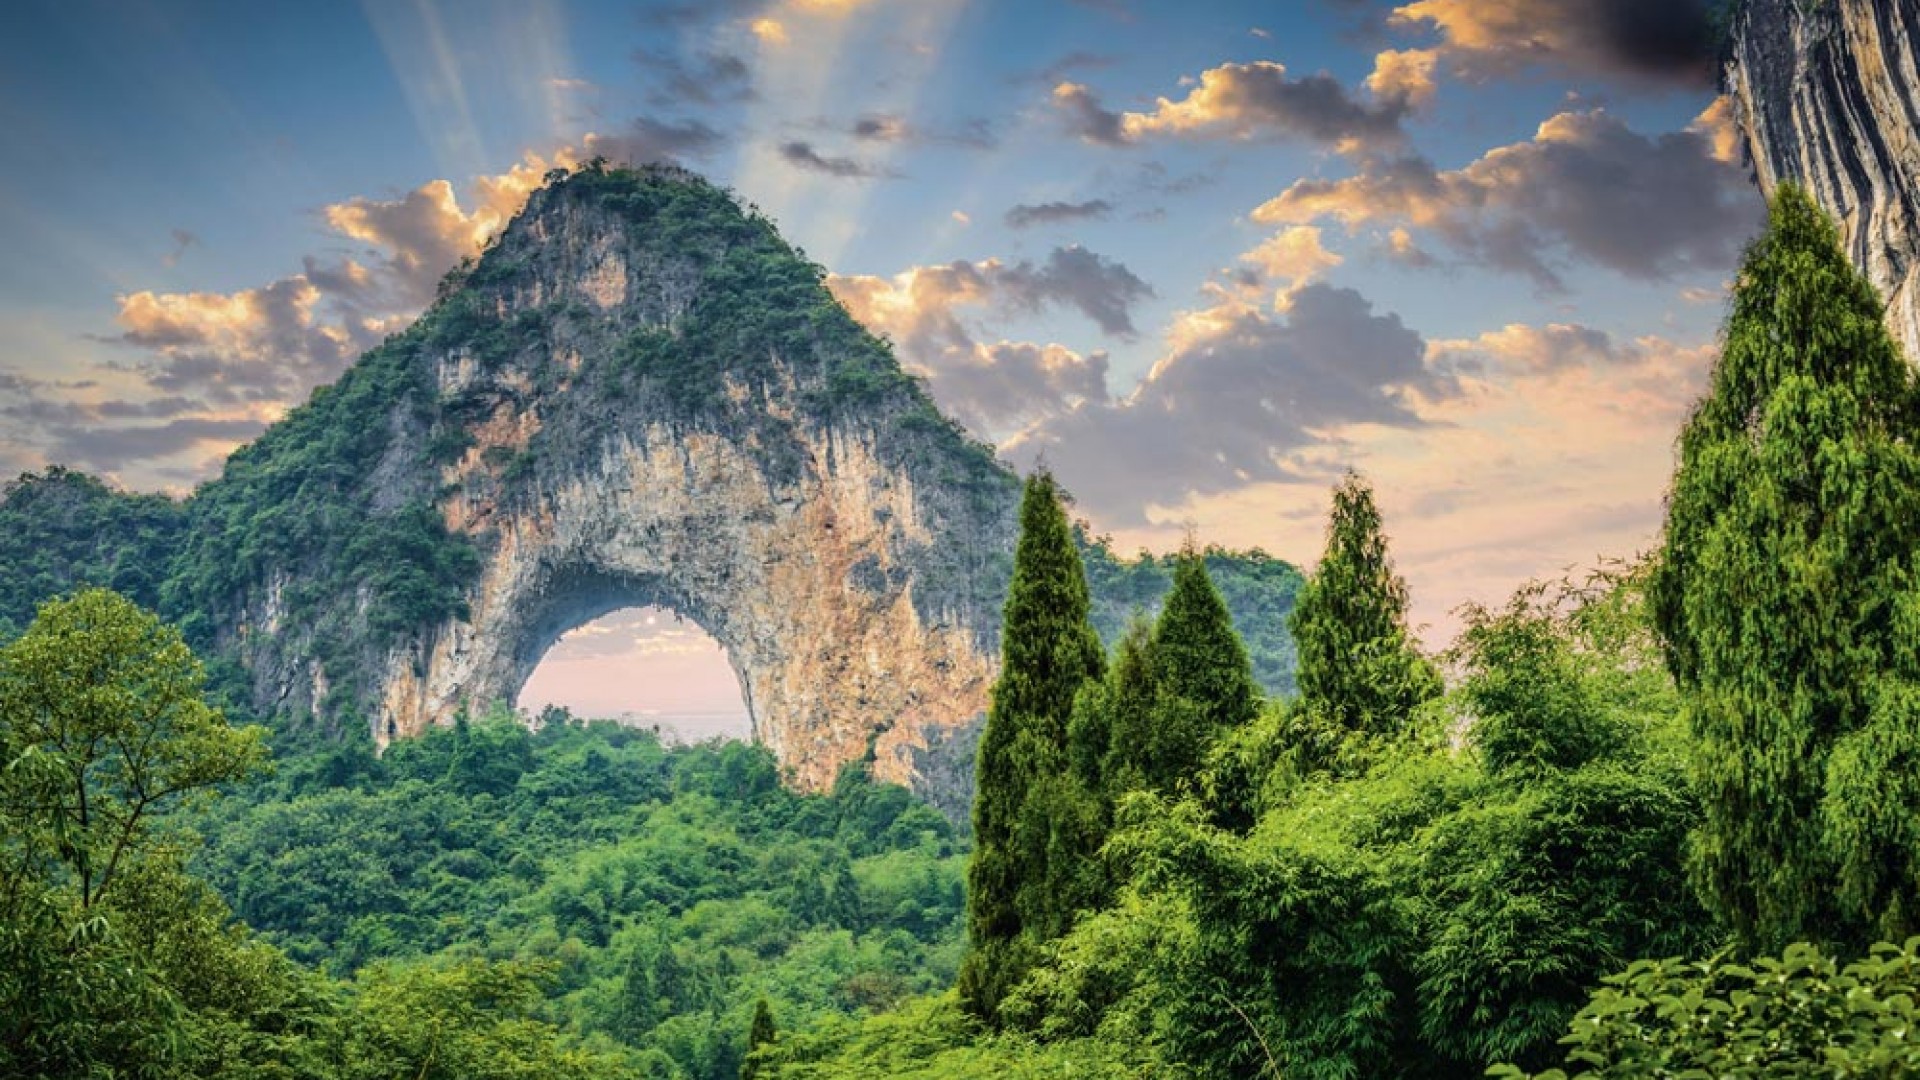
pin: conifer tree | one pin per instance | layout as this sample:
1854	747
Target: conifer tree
1784	597
761	1034
1125	702
1178	691
1049	650
1359	669
1201	659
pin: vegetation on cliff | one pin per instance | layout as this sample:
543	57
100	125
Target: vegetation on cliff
326	542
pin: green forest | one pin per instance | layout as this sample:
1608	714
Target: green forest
1656	821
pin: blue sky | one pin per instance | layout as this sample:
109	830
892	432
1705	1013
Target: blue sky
1201	256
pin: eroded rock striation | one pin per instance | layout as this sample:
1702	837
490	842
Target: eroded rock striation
1828	95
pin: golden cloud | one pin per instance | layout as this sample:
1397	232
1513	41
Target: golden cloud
1292	256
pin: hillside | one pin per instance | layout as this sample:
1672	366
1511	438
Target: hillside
637	395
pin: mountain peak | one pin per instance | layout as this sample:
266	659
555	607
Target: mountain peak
637	395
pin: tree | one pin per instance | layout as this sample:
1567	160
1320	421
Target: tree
1785	598
102	727
473	1020
1533	710
1360	670
1203	685
1048	652
1108	717
761	1034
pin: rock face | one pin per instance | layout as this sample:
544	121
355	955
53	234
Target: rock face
1828	94
638	396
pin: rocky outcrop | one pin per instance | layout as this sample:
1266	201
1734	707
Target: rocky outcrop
1828	95
638	396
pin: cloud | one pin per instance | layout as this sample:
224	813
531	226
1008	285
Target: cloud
1660	41
1550	447
1086	117
772	33
917	307
828	8
1400	247
1522	350
803	155
1008	385
254	345
1102	290
1055	73
182	240
418	236
891	128
705	78
1262	100
108	449
996	388
1292	256
880	127
1585	186
1025	215
646	140
1237	394
1721	128
1404	75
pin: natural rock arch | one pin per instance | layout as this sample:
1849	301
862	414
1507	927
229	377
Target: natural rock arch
799	583
639	394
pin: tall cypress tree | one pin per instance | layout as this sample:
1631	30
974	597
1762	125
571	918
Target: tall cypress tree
1359	668
760	1034
1198	685
1784	596
1124	704
1048	651
1200	654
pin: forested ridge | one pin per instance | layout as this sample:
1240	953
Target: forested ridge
1655	821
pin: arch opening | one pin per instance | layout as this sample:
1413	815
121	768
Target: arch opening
646	666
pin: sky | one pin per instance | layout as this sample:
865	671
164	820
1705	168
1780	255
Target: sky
1197	257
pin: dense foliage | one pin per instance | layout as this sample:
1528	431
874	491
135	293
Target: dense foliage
1518	870
1787	598
671	887
61	530
1360	669
1381	879
1775	1018
580	900
115	962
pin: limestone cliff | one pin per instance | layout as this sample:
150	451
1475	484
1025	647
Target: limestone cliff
638	395
1828	95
